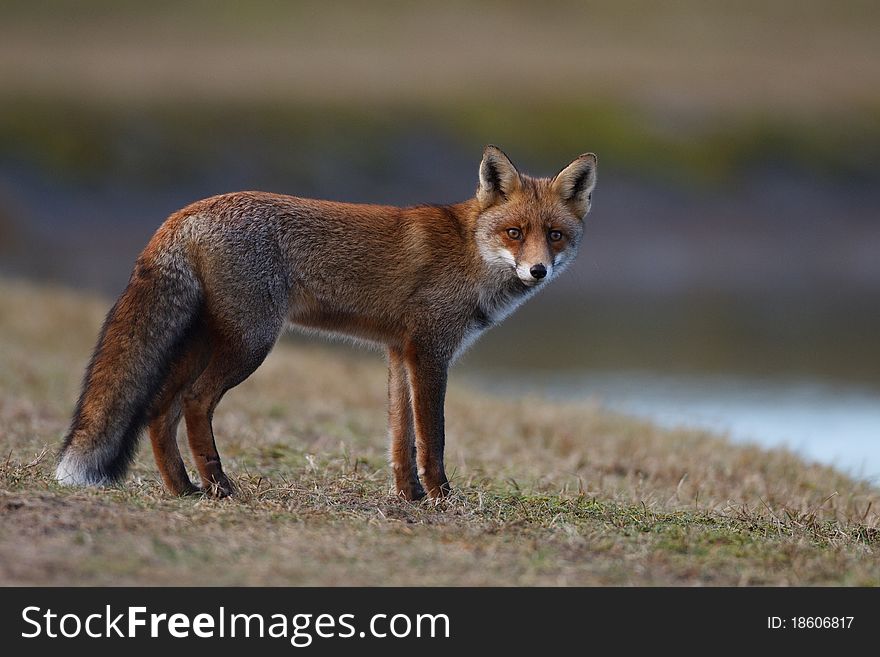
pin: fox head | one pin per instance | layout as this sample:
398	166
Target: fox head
531	227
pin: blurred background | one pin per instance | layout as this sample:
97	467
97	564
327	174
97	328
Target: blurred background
730	276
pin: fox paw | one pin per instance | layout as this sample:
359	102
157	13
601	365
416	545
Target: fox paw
412	492
440	491
219	489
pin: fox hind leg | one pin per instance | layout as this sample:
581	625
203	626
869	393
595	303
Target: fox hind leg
163	436
166	412
229	365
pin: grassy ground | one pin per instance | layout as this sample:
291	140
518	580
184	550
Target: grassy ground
545	493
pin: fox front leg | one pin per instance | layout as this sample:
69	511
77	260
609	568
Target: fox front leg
401	431
427	378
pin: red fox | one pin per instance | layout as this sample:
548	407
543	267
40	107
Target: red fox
220	280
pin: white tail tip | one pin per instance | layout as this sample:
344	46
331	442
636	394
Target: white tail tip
71	471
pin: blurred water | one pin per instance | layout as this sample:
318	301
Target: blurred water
833	424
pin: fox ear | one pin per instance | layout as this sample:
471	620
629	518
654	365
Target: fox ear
498	177
575	183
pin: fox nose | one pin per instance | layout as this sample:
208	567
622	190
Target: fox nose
538	271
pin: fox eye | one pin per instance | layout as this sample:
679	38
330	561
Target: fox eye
555	235
514	233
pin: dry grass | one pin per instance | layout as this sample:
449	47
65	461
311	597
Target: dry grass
545	493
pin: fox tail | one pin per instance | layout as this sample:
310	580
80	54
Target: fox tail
143	333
